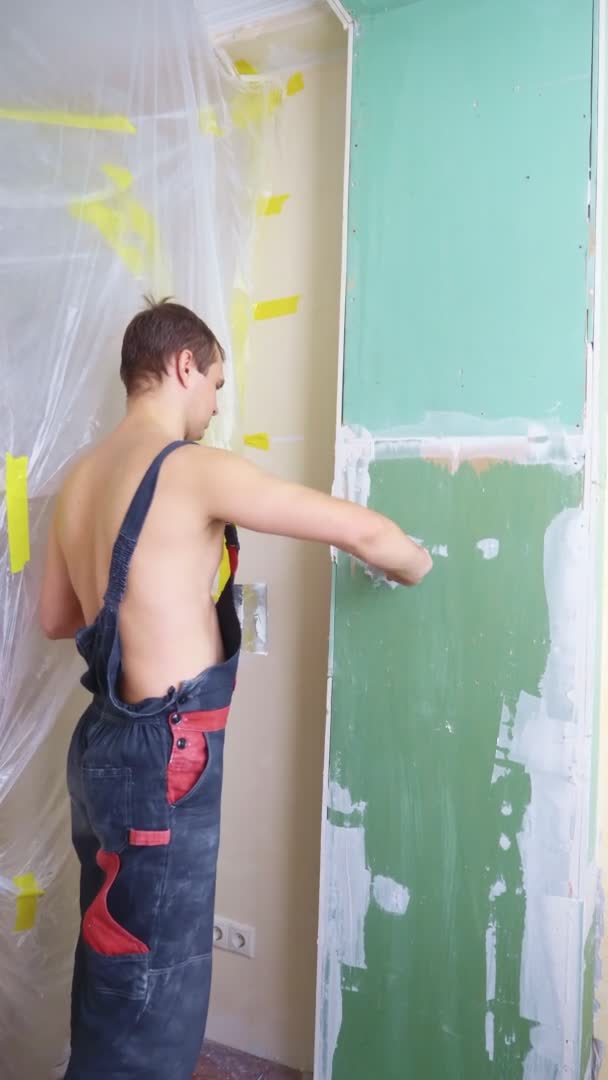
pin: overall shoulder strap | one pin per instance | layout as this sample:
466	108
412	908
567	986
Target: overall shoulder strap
132	525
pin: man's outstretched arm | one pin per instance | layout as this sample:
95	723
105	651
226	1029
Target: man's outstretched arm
235	490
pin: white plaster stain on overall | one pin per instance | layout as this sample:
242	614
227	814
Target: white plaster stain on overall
349	890
489	547
441	550
544	737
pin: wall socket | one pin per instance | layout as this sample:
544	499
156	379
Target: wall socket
233	936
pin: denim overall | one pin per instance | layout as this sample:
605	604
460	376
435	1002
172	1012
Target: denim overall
145	784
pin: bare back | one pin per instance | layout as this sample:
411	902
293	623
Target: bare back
168	624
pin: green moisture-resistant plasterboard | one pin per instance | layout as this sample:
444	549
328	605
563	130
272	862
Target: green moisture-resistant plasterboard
420	680
468	233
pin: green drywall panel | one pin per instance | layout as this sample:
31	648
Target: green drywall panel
468	213
420	678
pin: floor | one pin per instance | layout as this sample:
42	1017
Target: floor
220	1063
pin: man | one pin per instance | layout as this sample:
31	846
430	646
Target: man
133	554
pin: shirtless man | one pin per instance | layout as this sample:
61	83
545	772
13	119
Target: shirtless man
145	762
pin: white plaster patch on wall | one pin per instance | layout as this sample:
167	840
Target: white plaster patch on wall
354	455
497	889
377	577
340	799
390	895
489	547
498	772
490	1034
469	438
491	960
544	737
348	892
440	550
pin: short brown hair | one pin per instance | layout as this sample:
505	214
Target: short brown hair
156	334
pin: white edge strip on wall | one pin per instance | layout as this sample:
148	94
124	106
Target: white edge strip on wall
349	25
596	509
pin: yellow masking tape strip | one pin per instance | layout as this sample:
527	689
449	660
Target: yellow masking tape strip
275	98
120	177
208	124
17	514
245	68
224	572
240	315
272	204
67	119
27	901
249	108
126	226
260	441
275	309
295	84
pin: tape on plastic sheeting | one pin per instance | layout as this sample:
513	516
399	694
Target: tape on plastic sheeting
259	441
123	222
27	901
275	309
245	68
295	84
88	121
17	512
271	204
208	123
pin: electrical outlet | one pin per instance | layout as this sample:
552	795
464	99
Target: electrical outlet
233	937
220	932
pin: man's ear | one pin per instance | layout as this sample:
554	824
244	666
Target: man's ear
184	362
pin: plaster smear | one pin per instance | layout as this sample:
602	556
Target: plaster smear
348	893
390	895
489	548
544	737
464	439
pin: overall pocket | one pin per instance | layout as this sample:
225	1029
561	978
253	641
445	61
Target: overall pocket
117	989
107	798
193	752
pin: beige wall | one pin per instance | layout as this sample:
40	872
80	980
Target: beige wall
269	861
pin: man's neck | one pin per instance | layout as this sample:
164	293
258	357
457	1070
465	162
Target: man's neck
151	410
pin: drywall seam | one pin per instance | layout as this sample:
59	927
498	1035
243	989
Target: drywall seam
357	448
345	211
321	1040
545	735
600	512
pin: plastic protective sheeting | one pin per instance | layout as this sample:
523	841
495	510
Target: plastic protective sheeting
127	165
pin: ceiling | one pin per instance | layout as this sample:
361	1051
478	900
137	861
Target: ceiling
226	15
